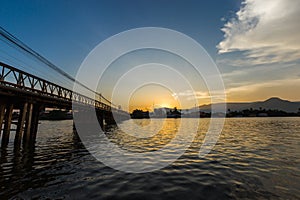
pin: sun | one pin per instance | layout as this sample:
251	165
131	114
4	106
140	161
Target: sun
165	105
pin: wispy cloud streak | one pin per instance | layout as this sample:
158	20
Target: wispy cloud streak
265	31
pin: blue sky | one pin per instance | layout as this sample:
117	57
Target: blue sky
245	39
65	31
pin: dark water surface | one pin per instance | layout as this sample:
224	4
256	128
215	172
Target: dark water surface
255	158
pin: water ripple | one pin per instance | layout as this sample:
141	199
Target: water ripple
255	158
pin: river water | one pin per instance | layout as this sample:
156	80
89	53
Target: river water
255	158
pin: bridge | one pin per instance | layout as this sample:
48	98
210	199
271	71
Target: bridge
30	95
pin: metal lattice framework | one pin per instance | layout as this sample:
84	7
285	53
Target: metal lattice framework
15	78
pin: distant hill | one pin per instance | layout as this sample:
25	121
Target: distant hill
272	103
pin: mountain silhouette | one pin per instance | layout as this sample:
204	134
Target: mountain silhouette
274	103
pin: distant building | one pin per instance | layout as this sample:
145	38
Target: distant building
160	112
174	113
139	114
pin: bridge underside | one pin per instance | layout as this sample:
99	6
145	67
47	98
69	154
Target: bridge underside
30	95
30	105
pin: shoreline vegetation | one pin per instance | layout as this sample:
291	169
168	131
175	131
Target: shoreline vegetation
178	113
273	107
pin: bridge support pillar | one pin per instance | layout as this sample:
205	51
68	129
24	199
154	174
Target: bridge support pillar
34	122
2	113
100	117
109	119
7	124
21	123
26	136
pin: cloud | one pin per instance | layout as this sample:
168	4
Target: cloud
265	90
269	84
263	72
266	31
192	95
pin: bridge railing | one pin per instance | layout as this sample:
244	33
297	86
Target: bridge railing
13	77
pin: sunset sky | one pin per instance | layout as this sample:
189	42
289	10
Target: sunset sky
255	43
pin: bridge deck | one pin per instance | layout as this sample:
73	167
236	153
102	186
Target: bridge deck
31	94
20	84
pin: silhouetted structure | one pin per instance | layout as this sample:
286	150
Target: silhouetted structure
174	113
139	114
260	113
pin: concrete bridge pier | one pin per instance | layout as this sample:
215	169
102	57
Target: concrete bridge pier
27	128
27	122
2	113
7	124
109	118
83	117
21	123
100	117
31	122
35	121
